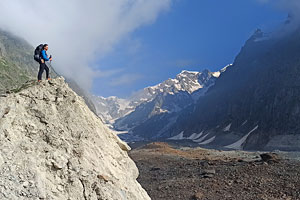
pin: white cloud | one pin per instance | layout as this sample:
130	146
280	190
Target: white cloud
78	32
292	7
108	73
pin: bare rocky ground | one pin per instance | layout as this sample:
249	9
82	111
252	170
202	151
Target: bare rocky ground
195	173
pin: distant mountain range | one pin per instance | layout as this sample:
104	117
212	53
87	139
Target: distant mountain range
161	103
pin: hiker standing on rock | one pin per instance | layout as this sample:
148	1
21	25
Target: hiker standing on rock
42	57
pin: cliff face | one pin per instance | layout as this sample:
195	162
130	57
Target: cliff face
54	147
255	104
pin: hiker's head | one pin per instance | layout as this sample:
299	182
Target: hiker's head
45	47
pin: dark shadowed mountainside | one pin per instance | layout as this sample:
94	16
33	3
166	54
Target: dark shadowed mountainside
255	104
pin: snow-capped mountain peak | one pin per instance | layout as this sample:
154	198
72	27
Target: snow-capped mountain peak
191	82
188	81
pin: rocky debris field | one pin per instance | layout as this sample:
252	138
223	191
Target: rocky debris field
193	174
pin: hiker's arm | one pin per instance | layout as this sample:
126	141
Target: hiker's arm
44	56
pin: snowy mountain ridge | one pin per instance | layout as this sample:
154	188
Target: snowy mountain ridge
112	108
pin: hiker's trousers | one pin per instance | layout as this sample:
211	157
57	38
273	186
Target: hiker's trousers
43	67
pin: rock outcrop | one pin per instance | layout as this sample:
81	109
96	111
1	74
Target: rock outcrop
54	147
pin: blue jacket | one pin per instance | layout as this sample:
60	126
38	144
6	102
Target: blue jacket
44	55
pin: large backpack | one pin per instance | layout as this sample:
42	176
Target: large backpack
37	53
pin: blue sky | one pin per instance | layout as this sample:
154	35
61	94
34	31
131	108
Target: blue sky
191	35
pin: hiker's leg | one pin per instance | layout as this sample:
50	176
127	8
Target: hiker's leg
42	66
47	71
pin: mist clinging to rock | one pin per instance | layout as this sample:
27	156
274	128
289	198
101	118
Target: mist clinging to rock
290	6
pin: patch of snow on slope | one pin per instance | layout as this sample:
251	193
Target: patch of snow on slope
196	87
227	128
178	137
218	73
200	139
194	136
208	141
238	145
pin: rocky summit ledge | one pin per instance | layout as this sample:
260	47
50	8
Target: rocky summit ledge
54	147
